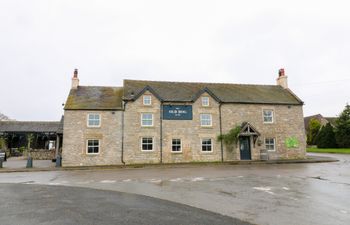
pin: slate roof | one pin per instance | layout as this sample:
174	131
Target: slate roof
323	120
31	126
94	98
226	93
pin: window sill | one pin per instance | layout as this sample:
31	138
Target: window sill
147	150
206	152
92	154
179	152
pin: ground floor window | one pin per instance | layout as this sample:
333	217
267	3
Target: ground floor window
176	145
93	146
270	144
147	144
207	145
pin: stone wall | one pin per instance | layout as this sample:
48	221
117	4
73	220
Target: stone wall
288	122
76	133
40	154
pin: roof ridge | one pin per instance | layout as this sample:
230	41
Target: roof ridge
194	82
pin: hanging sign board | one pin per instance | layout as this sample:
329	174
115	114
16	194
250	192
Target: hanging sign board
177	112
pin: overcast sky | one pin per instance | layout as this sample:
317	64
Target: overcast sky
41	42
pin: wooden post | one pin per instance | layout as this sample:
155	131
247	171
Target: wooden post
57	145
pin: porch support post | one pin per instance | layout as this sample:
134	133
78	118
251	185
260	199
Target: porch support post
57	145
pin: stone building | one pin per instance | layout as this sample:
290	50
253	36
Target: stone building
172	122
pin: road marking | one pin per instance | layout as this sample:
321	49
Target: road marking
127	180
264	189
176	180
108	181
285	188
197	179
344	211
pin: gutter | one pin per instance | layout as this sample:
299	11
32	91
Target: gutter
122	154
161	132
221	142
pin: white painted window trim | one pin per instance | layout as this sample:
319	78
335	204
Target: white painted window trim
87	146
211	120
273	116
153	144
274	144
205	105
150	99
172	146
142	120
87	120
212	145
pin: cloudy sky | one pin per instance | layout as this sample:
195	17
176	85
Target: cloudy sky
41	42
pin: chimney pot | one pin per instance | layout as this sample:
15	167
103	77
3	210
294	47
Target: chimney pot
75	73
281	72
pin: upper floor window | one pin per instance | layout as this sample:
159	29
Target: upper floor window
94	120
146	119
147	100
206	120
93	146
268	115
205	101
176	145
270	144
207	145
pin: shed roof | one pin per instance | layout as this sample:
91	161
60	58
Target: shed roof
94	98
31	126
224	92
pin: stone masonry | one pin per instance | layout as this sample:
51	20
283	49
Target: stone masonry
76	133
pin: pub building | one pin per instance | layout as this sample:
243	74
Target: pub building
176	122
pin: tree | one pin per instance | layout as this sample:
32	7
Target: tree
314	128
326	137
342	132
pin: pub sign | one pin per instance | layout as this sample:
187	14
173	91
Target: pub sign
177	112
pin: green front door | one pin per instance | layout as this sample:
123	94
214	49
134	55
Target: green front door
244	147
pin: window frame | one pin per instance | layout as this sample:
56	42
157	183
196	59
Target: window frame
211	120
211	145
150	99
208	102
274	144
142	125
88	120
141	144
272	116
172	145
87	146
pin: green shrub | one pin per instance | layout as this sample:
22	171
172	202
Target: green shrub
326	137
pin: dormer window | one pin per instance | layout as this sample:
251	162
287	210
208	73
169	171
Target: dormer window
205	101
147	100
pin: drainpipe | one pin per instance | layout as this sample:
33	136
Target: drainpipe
221	144
122	155
161	132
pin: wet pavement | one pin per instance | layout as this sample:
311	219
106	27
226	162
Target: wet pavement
57	205
311	193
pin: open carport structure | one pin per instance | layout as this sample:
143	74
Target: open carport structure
40	134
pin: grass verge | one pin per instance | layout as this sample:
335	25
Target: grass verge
329	150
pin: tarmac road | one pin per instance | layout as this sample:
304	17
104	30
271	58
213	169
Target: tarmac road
50	205
300	194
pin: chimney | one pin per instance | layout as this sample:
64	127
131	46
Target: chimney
75	80
282	79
